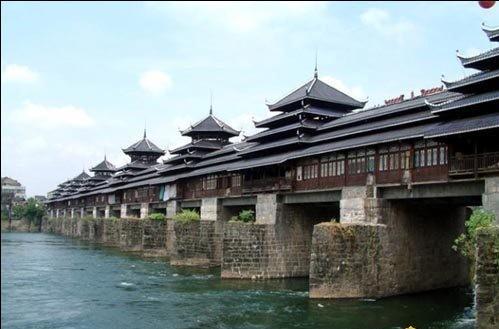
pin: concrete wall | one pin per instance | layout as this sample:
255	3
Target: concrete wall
131	234
487	279
408	250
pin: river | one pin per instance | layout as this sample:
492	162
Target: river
53	282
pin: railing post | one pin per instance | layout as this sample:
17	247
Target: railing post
475	162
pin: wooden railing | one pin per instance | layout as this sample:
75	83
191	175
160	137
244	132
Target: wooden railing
474	164
267	185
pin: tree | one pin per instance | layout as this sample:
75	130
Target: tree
34	211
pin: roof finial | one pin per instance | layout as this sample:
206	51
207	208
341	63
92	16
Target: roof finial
211	102
145	127
105	157
316	73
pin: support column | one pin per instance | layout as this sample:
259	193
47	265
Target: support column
490	197
358	205
107	211
144	210
172	208
94	212
82	212
57	213
267	209
72	212
123	211
212	210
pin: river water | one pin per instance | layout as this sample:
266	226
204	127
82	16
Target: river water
53	282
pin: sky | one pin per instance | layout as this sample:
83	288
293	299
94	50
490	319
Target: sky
82	80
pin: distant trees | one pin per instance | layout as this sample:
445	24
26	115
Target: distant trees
32	211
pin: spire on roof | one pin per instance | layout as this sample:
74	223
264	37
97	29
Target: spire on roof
145	134
211	103
316	73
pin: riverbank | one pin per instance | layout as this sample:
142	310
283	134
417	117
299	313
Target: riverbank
18	226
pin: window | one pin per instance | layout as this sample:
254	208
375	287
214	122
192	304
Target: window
209	182
299	173
443	155
429	153
310	171
370	160
405	157
235	180
356	162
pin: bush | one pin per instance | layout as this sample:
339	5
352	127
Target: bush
186	216
245	216
157	216
466	242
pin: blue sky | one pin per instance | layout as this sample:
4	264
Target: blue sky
83	79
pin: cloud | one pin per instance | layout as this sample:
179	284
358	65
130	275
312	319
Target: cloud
18	73
381	21
355	91
48	117
239	16
155	81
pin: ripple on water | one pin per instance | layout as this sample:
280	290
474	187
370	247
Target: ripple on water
51	282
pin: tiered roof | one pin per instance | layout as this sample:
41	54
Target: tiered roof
207	135
476	108
317	119
143	146
104	166
316	91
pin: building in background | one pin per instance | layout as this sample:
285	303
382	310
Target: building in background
12	191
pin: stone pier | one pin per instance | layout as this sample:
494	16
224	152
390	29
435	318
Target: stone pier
107	211
490	197
277	245
487	279
383	248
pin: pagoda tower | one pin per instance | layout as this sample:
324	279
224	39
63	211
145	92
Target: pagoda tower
207	135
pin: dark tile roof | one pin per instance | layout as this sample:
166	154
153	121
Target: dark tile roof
390	110
199	144
187	156
305	124
210	124
372	126
318	90
307	109
134	165
491	32
81	176
143	146
485	60
472	79
105	166
464	125
466	102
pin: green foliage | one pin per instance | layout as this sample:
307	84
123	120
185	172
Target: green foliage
246	216
186	216
34	210
18	212
5	215
466	242
157	216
